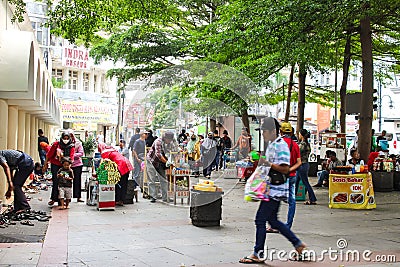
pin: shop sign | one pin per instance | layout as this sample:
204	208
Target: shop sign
88	112
75	57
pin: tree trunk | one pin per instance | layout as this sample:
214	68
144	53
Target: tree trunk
245	119
364	142
289	94
343	87
302	97
213	124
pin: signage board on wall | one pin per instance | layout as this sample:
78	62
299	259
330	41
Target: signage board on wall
88	113
75	57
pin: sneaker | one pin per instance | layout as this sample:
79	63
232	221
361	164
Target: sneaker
317	185
153	200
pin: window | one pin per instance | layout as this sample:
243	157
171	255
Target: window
86	82
73	80
58	76
95	83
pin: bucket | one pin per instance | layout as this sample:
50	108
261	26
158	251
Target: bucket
384	145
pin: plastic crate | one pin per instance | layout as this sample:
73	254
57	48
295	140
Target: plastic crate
301	192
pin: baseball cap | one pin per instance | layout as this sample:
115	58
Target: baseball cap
286	127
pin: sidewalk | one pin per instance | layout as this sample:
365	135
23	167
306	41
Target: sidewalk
157	234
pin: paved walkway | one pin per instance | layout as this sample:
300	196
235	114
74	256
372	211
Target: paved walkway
157	234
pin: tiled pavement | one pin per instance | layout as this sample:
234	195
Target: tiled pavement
147	234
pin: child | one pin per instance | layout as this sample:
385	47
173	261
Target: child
65	176
38	171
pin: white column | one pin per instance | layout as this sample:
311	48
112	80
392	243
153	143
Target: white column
28	134
21	130
66	78
3	144
12	127
80	81
91	81
33	139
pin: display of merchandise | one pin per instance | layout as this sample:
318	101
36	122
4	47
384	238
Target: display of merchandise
108	173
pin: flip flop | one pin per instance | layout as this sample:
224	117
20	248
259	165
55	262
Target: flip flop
248	260
27	222
272	231
310	203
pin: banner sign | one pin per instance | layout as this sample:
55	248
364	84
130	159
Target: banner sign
75	57
80	112
351	191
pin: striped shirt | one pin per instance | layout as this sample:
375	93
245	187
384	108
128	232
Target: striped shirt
10	157
278	153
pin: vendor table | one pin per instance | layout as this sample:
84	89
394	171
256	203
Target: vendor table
181	190
353	191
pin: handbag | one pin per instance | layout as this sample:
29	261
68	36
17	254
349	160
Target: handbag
276	178
257	186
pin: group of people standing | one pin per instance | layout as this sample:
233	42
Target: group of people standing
63	154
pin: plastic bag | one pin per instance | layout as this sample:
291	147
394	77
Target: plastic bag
258	186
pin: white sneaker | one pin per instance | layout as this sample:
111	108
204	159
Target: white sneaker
137	188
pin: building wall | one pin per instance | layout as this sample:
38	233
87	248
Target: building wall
27	99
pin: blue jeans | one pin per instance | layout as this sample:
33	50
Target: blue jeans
291	201
268	212
302	174
322	175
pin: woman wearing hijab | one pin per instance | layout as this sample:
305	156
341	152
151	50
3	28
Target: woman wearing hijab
59	149
77	166
124	168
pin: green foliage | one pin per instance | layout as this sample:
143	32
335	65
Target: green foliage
89	145
56	83
19	10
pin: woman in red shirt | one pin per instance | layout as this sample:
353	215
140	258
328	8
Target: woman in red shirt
63	148
124	168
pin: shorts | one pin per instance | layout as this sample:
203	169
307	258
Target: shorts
65	192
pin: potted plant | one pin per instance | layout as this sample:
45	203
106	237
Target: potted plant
89	146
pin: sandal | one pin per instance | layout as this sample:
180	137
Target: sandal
27	222
250	260
51	203
272	231
310	203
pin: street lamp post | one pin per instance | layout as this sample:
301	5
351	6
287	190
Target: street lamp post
380	108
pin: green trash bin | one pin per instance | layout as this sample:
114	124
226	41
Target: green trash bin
301	192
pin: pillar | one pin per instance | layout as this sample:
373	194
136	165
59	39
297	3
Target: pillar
3	144
12	127
28	134
21	130
33	139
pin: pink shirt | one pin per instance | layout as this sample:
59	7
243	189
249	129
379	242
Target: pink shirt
78	155
124	165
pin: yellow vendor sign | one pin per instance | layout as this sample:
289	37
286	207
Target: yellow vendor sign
351	191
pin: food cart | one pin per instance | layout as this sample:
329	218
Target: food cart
107	176
351	191
335	142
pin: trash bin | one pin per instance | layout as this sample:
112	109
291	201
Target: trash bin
205	208
383	181
131	193
301	192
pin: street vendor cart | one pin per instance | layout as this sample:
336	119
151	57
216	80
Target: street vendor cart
351	191
107	176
